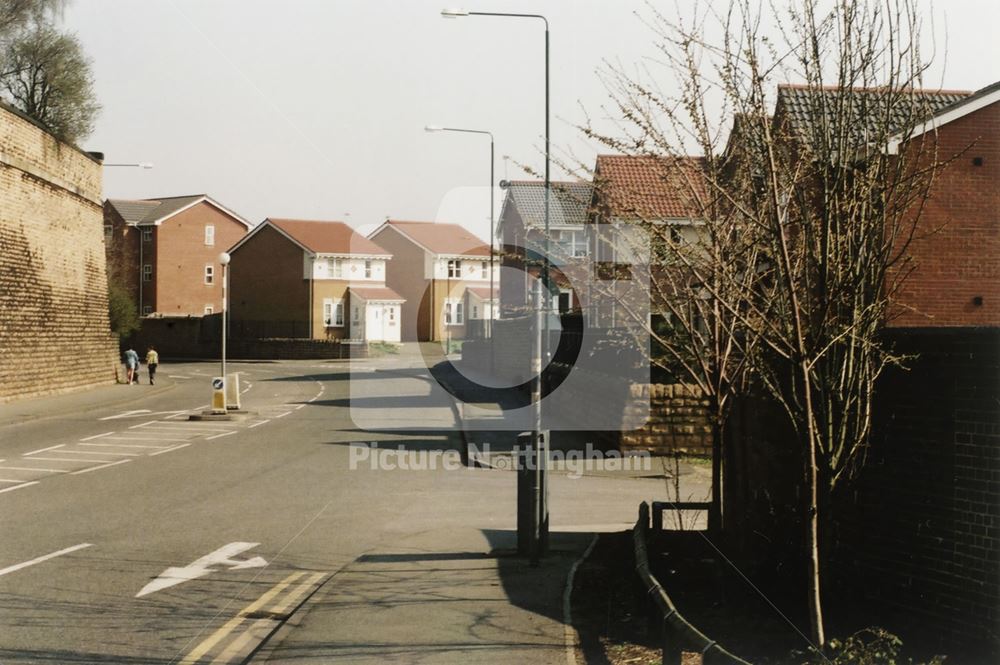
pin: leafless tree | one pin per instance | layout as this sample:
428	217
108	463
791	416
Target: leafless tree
806	213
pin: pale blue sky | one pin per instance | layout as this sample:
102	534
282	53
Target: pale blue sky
316	109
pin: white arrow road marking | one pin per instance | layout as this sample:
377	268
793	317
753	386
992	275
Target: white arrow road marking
19	566
203	566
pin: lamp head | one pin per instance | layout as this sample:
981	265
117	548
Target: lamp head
146	165
453	12
224	258
433	128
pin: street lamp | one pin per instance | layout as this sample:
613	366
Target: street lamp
436	128
140	165
540	526
224	260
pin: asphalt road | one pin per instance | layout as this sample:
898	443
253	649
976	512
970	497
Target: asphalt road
133	535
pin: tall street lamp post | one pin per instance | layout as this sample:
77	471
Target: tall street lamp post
539	528
224	260
435	128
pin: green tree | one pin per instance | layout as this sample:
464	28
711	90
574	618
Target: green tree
47	76
122	312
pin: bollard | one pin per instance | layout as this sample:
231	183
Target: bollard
525	493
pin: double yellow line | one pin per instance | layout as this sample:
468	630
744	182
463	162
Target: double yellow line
256	629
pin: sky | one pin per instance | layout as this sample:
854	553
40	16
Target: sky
315	109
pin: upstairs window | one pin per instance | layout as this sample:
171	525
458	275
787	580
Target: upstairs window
209	235
368	269
336	268
147	272
209	274
485	266
147	235
454	269
108	232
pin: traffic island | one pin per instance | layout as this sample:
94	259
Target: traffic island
232	414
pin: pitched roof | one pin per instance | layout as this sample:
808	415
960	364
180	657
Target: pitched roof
568	202
321	237
482	292
153	212
651	187
942	116
439	238
376	293
871	114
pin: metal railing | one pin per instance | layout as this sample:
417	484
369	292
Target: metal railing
676	634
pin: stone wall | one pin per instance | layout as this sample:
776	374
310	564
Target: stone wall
54	331
678	420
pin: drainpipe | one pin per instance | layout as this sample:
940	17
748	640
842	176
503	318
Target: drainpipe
312	273
139	236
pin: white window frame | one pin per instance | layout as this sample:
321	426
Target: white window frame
454	268
578	244
368	269
209	309
147	235
333	312
486	268
454	312
209	235
209	274
147	272
147	310
336	266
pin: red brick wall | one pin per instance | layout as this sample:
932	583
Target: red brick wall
181	256
270	297
957	256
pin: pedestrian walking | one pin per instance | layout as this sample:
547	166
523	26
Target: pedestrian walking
131	364
152	360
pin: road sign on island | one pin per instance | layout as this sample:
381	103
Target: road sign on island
218	394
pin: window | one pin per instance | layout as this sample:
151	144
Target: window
108	232
454	269
578	244
368	269
209	235
475	311
209	309
147	235
453	313
147	310
336	268
209	274
333	312
357	314
485	265
147	272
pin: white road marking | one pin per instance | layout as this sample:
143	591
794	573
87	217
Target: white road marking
300	406
203	566
124	445
258	424
24	468
102	466
42	450
142	438
160	452
177	376
97	452
219	436
126	414
70	459
19	566
151	422
97	436
282	415
17	487
7	480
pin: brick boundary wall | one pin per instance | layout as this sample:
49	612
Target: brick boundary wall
924	540
54	330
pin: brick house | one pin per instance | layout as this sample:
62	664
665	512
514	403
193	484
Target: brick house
443	272
311	279
165	251
521	231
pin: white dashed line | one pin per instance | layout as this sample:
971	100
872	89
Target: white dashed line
282	415
258	424
219	436
124	445
102	466
151	422
19	566
142	438
69	459
97	452
17	487
300	406
160	452
27	468
42	450
97	436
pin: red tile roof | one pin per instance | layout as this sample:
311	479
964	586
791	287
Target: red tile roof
327	237
441	238
482	292
648	187
376	293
